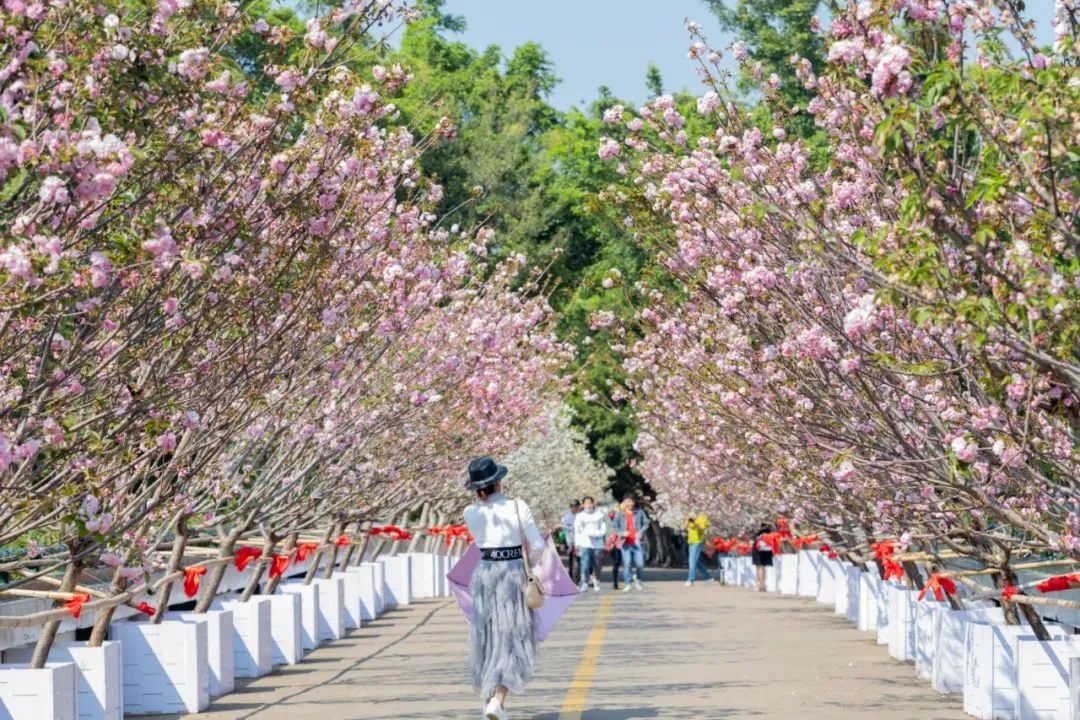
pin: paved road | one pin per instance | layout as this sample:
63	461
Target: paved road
669	652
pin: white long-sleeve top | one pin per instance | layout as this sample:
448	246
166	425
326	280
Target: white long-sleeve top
590	529
494	524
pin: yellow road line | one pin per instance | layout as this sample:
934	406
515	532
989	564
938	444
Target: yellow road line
579	686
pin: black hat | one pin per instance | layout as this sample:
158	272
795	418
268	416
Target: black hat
575	503
484	472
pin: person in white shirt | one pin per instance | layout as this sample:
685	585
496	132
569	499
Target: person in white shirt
502	630
590	531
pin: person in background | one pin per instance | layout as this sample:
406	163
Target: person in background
695	526
573	560
631	523
762	554
590	530
614	549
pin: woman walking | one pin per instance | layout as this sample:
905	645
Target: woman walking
502	632
762	553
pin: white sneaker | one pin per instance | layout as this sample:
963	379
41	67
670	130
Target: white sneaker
637	584
596	587
494	710
689	583
583	587
627	588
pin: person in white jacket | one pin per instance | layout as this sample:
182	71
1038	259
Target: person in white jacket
590	531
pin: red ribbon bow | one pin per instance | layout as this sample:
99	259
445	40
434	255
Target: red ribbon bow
824	547
342	541
940	586
278	565
375	531
1059	583
436	530
305	549
800	543
883	549
744	548
244	556
724	546
191	580
1009	591
74	606
144	607
893	569
833	556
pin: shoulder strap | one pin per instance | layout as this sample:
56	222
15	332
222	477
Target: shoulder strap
524	539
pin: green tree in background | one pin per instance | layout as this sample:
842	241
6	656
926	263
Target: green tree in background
774	31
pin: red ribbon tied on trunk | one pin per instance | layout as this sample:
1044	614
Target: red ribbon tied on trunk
893	569
883	549
74	606
144	607
342	541
833	556
303	550
1059	583
278	565
773	540
436	530
800	543
1009	591
375	531
244	556
940	586
191	580
824	547
783	528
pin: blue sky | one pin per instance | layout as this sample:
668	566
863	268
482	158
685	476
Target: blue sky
612	42
595	42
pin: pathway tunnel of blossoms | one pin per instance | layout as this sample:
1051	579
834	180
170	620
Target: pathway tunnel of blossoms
871	332
228	312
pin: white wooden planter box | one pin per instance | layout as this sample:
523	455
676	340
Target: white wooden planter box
219	647
422	567
872	603
444	570
788	566
286	633
380	586
852	582
885	599
48	693
166	666
309	610
950	651
727	570
990	669
748	571
843	589
926	624
808	573
365	575
398	578
1042	677
252	644
772	578
98	671
353	603
1074	688
331	608
828	574
902	623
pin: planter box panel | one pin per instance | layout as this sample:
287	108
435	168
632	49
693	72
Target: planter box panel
331	608
368	601
166	666
98	671
902	623
1042	677
219	647
828	573
950	650
252	641
926	623
422	568
286	631
808	573
990	668
398	580
309	611
869	602
48	693
789	573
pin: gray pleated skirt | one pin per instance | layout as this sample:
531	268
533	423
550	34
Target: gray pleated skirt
502	635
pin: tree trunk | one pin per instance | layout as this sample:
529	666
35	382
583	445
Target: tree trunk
48	632
260	567
1030	613
310	576
176	558
273	582
217	573
363	545
331	559
914	577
